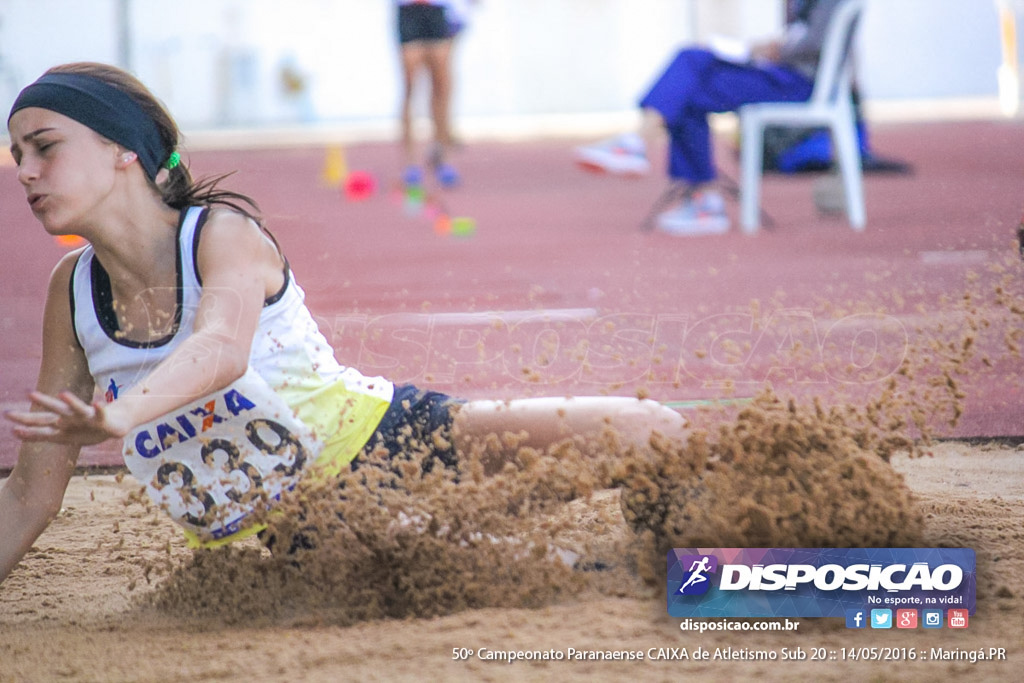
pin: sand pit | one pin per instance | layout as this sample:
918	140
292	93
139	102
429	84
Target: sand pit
79	607
437	575
440	575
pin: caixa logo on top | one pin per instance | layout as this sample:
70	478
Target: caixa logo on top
816	582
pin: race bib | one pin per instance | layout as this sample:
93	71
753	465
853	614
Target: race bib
215	461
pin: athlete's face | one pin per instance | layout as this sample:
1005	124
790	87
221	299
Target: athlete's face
67	169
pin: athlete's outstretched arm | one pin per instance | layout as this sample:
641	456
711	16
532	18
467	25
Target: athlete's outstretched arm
239	267
31	497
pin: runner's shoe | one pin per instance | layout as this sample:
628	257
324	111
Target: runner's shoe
446	175
412	176
622	155
701	214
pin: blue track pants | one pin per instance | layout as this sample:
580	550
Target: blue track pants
697	83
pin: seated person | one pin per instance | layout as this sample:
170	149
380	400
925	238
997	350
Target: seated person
700	81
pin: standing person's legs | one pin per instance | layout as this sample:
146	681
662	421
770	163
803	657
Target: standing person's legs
413	59
438	62
421	28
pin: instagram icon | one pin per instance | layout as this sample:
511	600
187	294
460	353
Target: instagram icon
931	618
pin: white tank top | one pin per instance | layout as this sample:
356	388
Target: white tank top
340	406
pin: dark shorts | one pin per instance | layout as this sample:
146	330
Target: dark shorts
422	23
416	422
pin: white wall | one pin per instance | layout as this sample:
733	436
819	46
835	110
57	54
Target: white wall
219	62
36	34
930	48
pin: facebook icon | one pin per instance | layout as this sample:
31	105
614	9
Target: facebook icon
856	618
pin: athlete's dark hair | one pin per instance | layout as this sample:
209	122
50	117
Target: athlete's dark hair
178	189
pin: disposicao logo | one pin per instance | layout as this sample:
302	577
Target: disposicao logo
819	582
697	579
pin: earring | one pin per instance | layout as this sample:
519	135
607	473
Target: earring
128	158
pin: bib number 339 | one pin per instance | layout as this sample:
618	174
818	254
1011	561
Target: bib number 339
213	462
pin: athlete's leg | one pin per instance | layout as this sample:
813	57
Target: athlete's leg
602	427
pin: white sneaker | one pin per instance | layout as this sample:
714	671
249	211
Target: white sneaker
621	155
702	214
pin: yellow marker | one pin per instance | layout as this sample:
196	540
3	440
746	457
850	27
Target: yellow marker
335	169
463	226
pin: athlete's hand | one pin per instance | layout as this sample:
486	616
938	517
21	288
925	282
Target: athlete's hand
65	419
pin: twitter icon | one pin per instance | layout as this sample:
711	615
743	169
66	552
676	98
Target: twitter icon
881	618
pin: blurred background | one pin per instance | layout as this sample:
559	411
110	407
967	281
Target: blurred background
523	66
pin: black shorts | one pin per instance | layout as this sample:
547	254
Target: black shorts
413	419
416	422
422	23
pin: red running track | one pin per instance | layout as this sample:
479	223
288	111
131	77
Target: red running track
559	292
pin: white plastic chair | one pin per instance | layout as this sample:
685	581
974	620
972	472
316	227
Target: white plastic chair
830	105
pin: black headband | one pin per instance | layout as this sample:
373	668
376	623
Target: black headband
102	107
